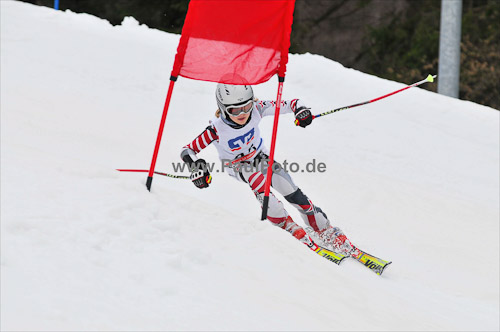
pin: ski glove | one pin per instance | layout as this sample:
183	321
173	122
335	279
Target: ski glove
303	116
199	174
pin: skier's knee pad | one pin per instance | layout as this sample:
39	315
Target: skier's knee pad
312	215
297	197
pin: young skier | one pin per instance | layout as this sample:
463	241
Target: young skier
235	133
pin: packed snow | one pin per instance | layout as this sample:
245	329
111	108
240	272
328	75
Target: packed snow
413	178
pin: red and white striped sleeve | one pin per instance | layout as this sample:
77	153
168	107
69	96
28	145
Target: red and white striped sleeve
203	140
268	107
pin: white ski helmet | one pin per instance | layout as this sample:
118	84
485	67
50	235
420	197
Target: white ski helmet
232	95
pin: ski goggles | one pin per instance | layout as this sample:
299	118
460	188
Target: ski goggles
236	110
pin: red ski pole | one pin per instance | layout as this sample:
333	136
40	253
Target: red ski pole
175	176
429	78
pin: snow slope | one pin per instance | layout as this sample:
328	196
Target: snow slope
413	178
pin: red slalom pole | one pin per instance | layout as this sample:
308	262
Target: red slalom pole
265	203
429	78
160	131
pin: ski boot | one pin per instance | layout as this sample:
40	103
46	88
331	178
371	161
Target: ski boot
297	231
300	234
334	238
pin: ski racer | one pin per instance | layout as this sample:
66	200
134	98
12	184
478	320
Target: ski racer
234	131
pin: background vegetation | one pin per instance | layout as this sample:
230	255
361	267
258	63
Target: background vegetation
407	48
393	39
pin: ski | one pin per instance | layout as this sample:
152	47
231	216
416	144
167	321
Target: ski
328	254
375	264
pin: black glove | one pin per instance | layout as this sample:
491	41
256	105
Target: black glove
199	174
303	116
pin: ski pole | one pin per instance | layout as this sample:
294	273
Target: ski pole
429	78
159	173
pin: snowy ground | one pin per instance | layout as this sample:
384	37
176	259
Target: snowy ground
413	178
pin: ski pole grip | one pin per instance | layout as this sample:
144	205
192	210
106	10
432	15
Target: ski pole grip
265	205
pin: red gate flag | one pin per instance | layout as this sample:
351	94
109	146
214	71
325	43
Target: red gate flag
247	37
234	42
